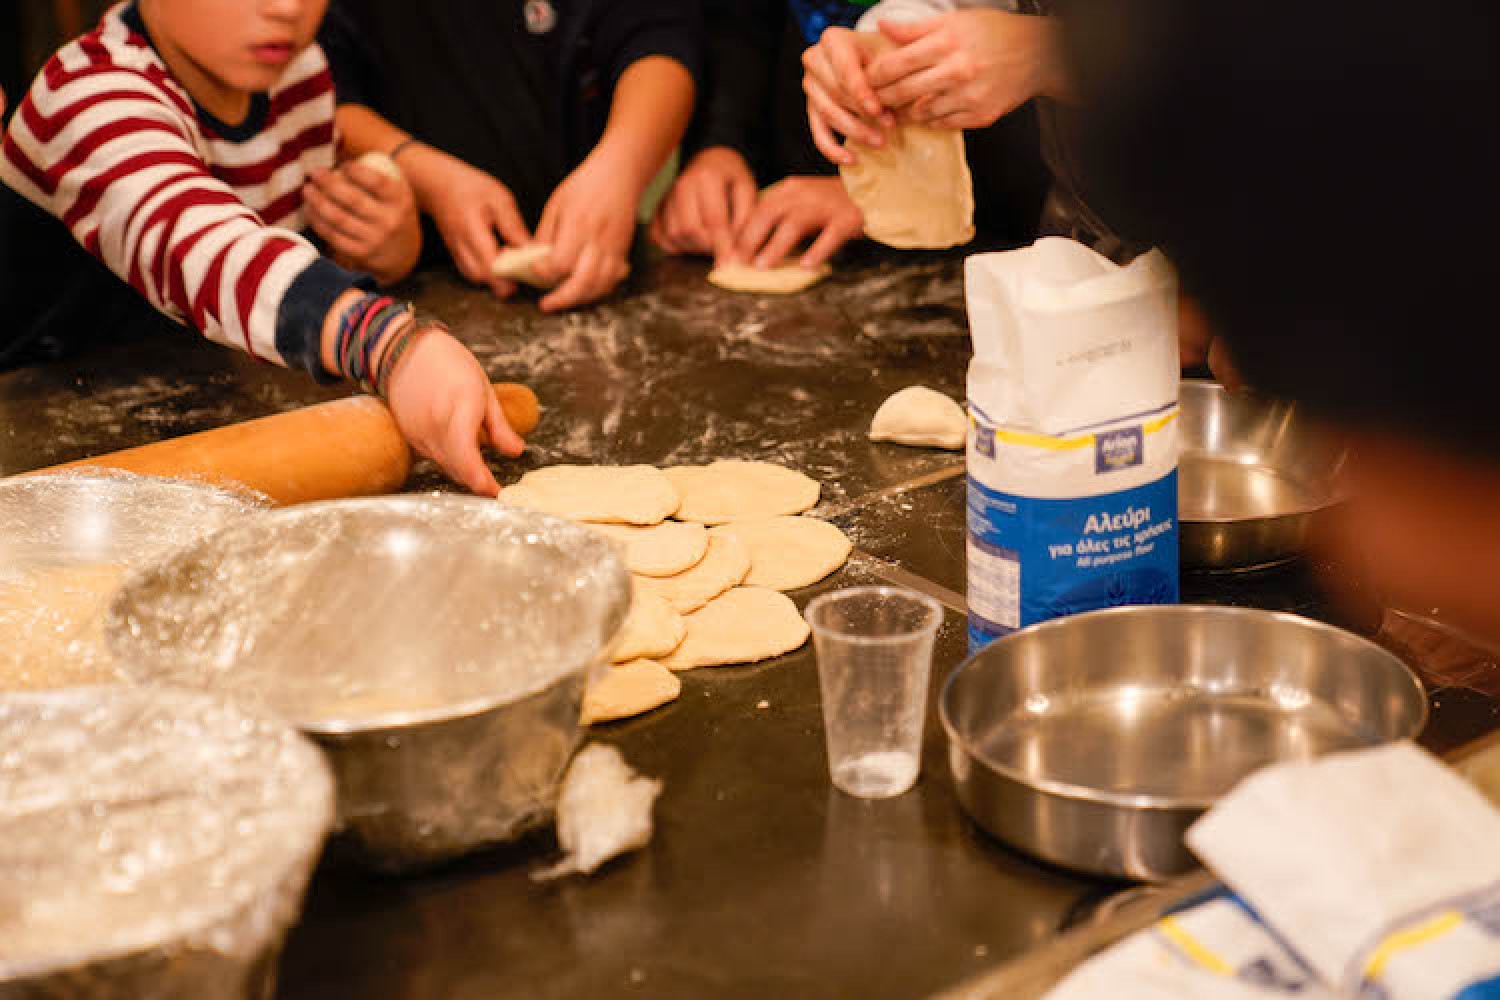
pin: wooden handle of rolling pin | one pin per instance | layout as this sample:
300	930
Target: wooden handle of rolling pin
347	448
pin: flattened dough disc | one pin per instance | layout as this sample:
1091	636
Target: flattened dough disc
726	565
746	625
737	491
922	418
664	549
787	553
916	190
652	628
784	280
604	494
519	264
629	689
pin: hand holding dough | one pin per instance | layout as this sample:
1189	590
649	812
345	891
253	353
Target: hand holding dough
519	264
651	629
922	418
604	494
784	280
737	491
629	689
726	565
381	164
789	553
746	625
916	190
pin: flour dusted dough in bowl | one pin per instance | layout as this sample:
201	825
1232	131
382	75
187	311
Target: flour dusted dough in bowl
784	280
915	191
519	264
606	494
746	625
629	689
653	628
664	549
788	553
726	565
922	418
736	491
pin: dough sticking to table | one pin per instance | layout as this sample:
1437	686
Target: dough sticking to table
788	553
726	565
784	280
664	549
52	622
629	689
606	494
746	625
519	264
915	191
651	629
381	164
738	491
922	418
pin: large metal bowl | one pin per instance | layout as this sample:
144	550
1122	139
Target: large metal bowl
1094	741
1253	479
436	647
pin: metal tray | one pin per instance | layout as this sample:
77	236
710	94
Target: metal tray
1094	741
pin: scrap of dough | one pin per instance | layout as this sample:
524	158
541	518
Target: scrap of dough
653	628
629	689
726	565
922	418
382	164
519	264
737	491
606	494
784	280
746	625
664	549
603	810
916	190
788	553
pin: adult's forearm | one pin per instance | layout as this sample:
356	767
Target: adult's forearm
652	103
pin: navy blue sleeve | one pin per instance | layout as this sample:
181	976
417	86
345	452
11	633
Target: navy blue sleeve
299	324
628	31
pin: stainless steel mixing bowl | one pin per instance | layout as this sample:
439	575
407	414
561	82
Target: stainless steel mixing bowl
1094	741
436	647
1254	477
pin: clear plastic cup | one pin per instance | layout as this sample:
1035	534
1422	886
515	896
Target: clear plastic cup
874	648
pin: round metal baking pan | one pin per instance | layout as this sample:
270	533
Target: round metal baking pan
1094	741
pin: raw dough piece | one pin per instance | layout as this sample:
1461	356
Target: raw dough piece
746	625
664	549
916	191
519	264
607	494
633	688
788	553
922	418
739	491
651	629
726	565
783	280
381	164
603	810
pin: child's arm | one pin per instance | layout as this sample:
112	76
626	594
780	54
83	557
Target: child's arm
591	217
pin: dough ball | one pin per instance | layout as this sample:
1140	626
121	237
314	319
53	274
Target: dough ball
519	264
382	164
606	494
746	625
784	280
629	689
922	418
725	565
916	190
664	549
652	628
788	553
738	491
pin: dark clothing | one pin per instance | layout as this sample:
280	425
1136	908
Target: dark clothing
483	81
754	56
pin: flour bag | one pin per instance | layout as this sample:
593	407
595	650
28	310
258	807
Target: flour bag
1072	450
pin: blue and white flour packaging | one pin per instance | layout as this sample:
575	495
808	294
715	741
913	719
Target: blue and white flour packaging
1073	435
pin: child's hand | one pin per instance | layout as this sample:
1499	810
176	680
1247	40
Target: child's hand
471	208
367	218
965	69
839	95
708	205
795	209
589	222
443	405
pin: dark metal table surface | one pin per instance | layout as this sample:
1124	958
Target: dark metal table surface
761	879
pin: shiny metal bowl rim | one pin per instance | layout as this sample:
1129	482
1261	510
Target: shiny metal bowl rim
401	720
1340	493
1069	790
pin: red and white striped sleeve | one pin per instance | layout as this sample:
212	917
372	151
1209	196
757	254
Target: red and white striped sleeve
110	151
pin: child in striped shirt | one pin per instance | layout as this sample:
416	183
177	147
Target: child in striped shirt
184	146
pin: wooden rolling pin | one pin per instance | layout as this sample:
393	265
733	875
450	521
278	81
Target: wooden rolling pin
347	448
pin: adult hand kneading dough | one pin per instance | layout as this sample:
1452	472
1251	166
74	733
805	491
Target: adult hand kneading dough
789	553
784	280
606	494
737	491
629	689
519	264
726	565
652	629
745	625
664	549
922	418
